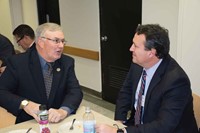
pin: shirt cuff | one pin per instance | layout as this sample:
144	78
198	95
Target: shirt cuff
67	109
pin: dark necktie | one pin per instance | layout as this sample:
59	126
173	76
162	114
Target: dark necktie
138	112
48	76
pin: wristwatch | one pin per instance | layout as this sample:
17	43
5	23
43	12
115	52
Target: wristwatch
120	131
24	103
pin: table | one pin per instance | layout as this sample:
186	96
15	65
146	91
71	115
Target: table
54	126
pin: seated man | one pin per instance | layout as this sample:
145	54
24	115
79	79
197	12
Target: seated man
42	75
156	91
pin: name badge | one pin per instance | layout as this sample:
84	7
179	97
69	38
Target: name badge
143	101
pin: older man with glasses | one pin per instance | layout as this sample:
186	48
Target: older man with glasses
42	75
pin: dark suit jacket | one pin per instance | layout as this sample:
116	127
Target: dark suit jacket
23	79
6	49
168	104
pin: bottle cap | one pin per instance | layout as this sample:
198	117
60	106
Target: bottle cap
87	109
42	107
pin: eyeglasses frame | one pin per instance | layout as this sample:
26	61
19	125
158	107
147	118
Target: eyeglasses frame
56	40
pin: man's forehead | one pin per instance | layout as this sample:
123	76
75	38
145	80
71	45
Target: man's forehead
54	33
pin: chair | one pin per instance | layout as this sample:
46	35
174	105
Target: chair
6	118
196	104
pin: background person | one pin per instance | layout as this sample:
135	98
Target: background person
6	50
166	101
23	85
24	36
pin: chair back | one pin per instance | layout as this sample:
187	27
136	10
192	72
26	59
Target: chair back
196	104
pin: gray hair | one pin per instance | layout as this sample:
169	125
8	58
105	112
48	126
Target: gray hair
43	28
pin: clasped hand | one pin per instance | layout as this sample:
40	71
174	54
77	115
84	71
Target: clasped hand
55	115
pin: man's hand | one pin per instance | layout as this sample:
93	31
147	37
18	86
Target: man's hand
33	110
56	115
104	128
121	122
2	69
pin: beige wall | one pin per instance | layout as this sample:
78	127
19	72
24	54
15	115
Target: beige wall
30	14
5	22
188	40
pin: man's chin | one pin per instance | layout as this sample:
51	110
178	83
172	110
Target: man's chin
57	57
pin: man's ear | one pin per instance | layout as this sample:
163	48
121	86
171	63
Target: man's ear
152	52
40	42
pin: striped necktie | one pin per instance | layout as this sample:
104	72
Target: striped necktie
138	112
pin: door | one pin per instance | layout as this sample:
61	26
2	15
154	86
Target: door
118	21
48	11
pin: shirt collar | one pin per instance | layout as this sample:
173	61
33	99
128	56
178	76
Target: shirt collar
32	44
150	72
42	61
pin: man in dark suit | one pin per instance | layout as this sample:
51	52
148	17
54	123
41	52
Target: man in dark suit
23	87
160	100
6	50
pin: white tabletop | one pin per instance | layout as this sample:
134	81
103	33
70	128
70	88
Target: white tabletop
54	127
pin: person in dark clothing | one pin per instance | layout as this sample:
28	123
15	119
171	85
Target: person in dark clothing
41	75
6	50
156	91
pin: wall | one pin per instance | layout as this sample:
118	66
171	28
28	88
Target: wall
30	14
5	15
80	21
189	42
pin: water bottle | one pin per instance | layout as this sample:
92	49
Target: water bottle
44	122
88	121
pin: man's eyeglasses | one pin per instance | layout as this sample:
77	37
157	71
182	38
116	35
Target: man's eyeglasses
56	40
20	39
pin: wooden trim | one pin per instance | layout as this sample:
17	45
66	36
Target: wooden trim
89	54
6	118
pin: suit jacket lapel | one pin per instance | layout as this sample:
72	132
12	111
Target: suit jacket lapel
156	78
36	72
